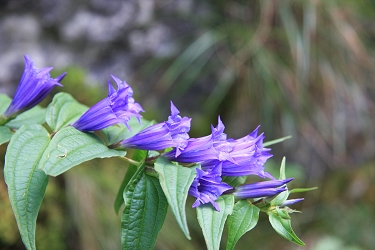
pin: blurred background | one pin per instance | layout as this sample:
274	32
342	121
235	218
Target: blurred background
299	68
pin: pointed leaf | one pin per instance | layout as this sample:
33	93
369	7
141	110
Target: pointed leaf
280	198
176	181
63	110
301	190
144	213
5	134
282	170
283	227
4	102
26	183
138	155
212	222
245	216
120	132
35	115
70	147
234	181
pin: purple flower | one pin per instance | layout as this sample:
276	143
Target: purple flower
244	156
171	133
261	189
34	86
201	149
207	186
291	202
118	107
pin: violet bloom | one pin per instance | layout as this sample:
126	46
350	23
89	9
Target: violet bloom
261	189
118	107
201	149
171	133
207	186
291	202
34	86
246	156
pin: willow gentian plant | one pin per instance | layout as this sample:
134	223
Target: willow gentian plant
166	166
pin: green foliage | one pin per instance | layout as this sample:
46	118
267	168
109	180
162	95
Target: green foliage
70	147
245	217
26	183
4	103
32	116
175	181
144	213
235	181
281	222
5	134
212	222
63	110
138	155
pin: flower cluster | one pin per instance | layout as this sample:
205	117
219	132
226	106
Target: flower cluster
216	155
34	86
219	156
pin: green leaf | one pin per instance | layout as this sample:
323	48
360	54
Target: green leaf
282	170
245	217
35	115
280	198
70	147
212	222
283	227
5	134
301	190
176	181
63	110
269	143
234	181
138	155
4	103
144	213
26	183
120	132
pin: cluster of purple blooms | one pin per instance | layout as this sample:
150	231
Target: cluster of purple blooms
217	155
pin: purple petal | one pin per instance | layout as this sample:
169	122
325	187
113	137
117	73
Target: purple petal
34	86
118	107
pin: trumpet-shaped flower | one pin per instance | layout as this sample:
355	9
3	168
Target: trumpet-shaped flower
291	202
261	189
248	157
207	186
34	86
244	156
201	149
118	107
171	133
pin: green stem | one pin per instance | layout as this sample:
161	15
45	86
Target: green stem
133	162
3	120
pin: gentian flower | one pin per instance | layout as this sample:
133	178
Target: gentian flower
171	133
261	189
244	156
118	107
291	202
207	186
34	86
201	149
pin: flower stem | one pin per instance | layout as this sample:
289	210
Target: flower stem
131	161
